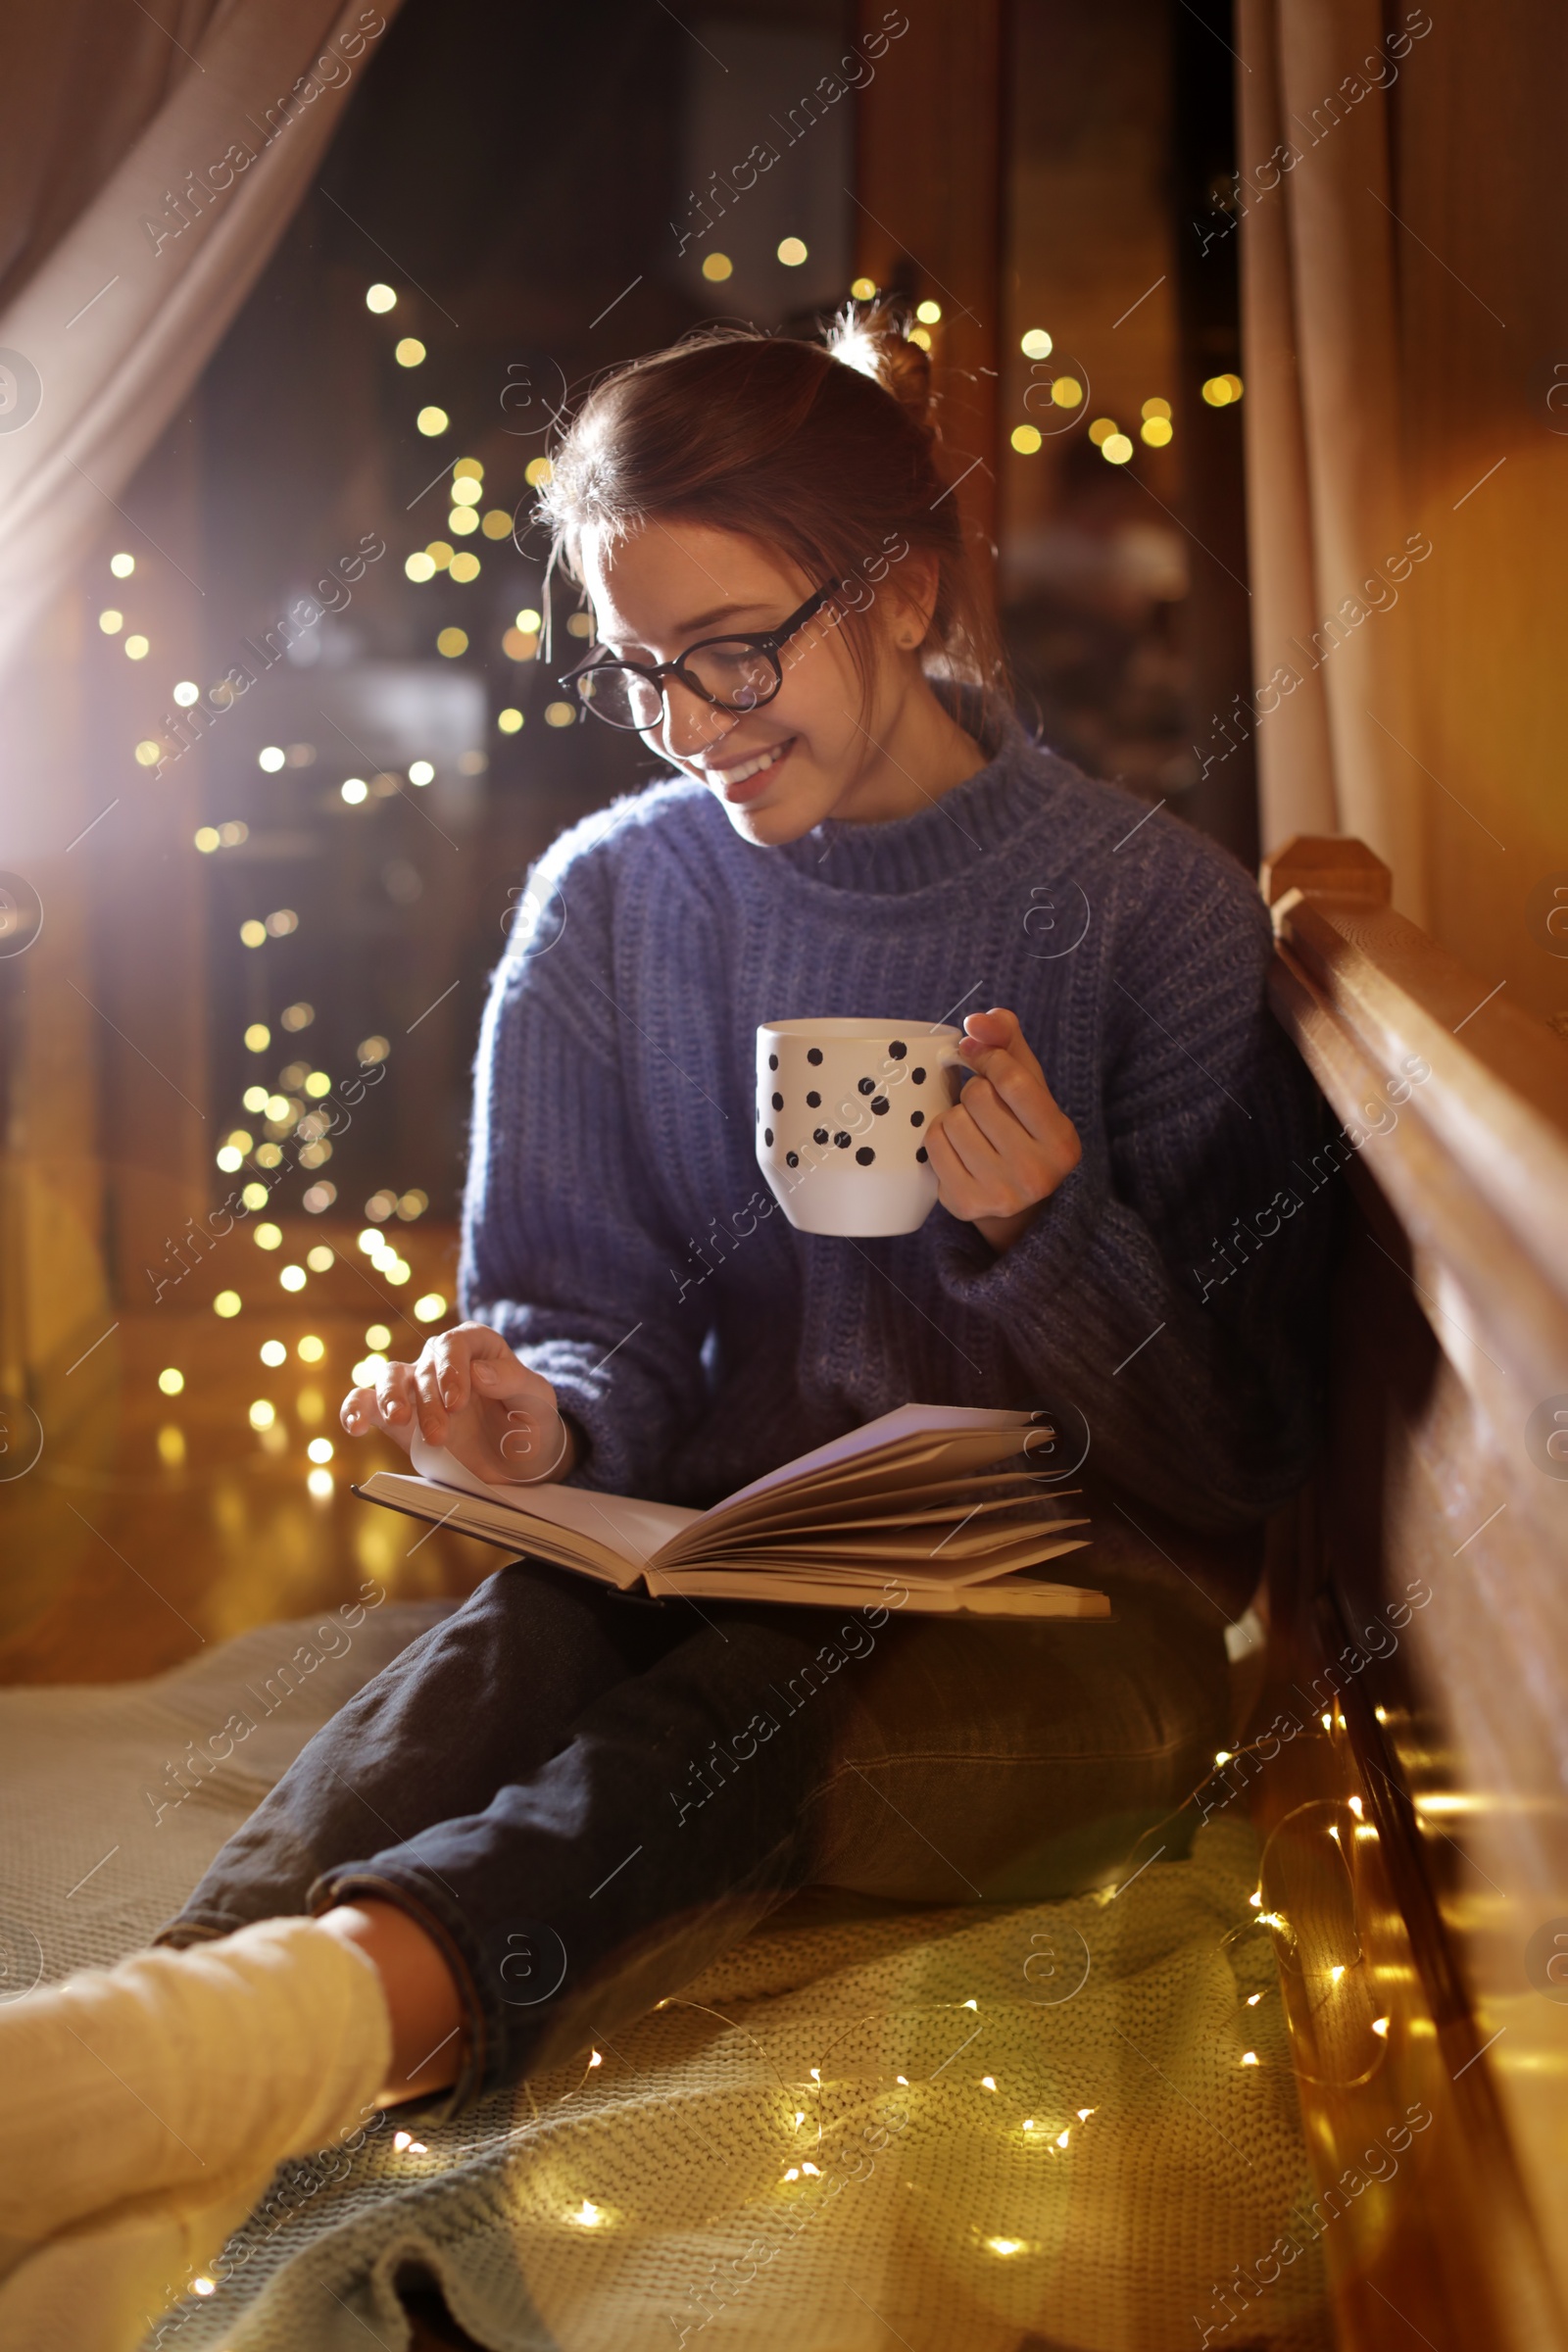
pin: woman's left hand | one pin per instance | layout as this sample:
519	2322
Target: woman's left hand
1005	1146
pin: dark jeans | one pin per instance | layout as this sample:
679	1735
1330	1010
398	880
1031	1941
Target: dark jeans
585	1797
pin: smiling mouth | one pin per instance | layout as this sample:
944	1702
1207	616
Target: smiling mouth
745	769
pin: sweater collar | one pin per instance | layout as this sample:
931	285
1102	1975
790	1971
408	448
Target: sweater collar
972	820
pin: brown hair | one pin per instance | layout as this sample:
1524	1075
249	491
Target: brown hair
827	451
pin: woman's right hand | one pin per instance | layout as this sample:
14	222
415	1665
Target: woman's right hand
468	1392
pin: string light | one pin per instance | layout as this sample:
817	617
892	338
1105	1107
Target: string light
716	266
110	622
170	1381
791	252
263	1414
121	566
227	1304
432	420
1036	344
409	352
1026	439
379	297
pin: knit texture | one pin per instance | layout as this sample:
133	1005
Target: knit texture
620	1235
648	2200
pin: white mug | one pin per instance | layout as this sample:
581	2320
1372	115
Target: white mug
842	1106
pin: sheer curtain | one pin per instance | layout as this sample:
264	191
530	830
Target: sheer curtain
208	134
1329	505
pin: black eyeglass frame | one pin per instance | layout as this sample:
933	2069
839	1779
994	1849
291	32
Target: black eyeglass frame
770	644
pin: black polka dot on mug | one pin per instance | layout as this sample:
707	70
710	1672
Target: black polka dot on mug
778	1101
843	1139
922	1154
917	1118
897	1050
772	1061
814	1100
918	1076
879	1105
865	1156
792	1159
813	1055
819	1134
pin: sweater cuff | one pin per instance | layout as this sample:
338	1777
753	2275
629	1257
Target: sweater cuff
1041	1262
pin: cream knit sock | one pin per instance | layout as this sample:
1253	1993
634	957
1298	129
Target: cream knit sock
105	2283
188	2071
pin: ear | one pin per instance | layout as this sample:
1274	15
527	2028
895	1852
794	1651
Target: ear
910	592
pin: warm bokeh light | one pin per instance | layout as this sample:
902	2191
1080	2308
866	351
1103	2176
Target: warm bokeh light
255	1196
207	839
452	641
137	649
379	297
519	644
258	1037
318	1485
864	289
792	252
170	1381
121	566
271	757
293	1278
310	1349
559	714
1025	439
467	488
268	1237
229	1159
928	313
530	621
318	1083
227	1304
920	335
1116	449
1157	431
321	1258
186	693
466	567
469	469
1154	408
1220	391
409	352
148	754
272	1352
1100	430
297	1017
263	1413
110	622
439	552
1067	392
320	1449
419	565
508	721
496	524
430	1308
433	421
354	789
1036	344
378	1334
420	772
253	933
537	471
716	266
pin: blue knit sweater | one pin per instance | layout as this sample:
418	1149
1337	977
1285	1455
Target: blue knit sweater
618	1231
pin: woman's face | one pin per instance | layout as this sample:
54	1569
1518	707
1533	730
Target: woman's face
823	747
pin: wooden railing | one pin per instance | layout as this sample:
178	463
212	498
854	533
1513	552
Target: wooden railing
1425	1584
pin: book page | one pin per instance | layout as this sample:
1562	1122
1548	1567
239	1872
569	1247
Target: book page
618	1523
905	1421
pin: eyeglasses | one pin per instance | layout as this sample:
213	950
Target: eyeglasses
732	673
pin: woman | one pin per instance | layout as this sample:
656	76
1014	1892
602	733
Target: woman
541	1818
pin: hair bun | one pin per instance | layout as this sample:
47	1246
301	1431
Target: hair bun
873	339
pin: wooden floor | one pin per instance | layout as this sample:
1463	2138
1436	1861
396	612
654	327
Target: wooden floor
153	1523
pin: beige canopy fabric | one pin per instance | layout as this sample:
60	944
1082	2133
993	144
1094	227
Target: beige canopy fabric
116	320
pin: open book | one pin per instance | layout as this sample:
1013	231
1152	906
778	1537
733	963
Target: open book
916	1501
